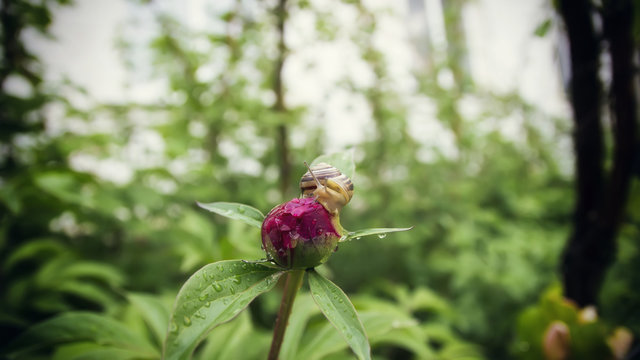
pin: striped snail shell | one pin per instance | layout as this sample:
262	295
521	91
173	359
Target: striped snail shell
328	186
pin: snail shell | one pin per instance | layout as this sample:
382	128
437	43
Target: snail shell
336	190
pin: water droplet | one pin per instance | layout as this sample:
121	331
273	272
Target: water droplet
232	289
241	210
237	280
358	237
173	327
217	287
244	266
220	268
382	236
200	315
203	296
207	304
187	321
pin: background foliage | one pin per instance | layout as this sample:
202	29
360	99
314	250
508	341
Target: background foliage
76	248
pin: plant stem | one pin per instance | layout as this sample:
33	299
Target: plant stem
291	287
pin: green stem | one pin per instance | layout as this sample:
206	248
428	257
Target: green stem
291	287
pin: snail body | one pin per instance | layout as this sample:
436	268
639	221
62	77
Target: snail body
328	186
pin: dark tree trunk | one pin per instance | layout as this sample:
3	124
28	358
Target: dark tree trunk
600	196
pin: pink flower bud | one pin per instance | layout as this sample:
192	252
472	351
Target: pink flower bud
300	234
557	341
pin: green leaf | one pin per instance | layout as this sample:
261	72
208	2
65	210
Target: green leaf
153	311
91	351
40	249
93	270
80	327
381	232
337	308
63	185
86	290
237	339
246	213
213	295
340	160
303	310
543	28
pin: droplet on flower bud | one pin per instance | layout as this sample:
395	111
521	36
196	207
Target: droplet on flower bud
300	234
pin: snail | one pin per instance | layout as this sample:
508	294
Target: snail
328	186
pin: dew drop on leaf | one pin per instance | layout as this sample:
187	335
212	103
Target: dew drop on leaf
207	304
187	321
202	296
217	287
237	280
173	327
382	236
200	315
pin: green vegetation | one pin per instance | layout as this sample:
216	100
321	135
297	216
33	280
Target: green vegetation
90	264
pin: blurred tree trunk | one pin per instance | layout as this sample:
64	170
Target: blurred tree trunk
279	106
601	193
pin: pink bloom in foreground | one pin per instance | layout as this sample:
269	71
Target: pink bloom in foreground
300	234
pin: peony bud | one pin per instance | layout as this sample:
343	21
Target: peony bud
620	342
556	342
300	234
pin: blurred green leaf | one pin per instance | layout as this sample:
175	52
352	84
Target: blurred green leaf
237	339
93	270
303	309
63	185
337	307
80	327
92	351
154	312
11	197
246	213
40	249
543	28
211	296
85	290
